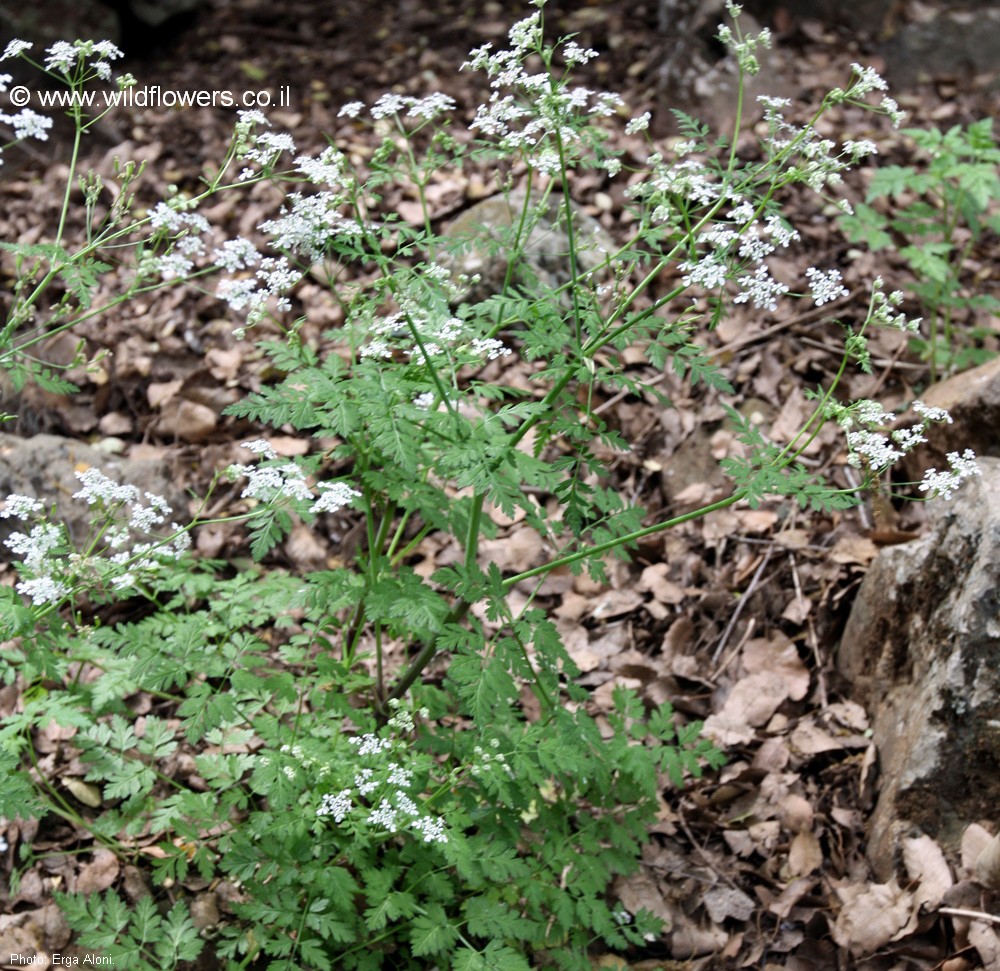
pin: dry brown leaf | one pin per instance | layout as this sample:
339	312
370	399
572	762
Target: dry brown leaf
796	812
794	539
115	423
727	730
85	792
25	941
725	901
849	714
872	915
765	836
616	603
304	548
641	892
925	862
794	414
854	549
782	905
160	392
654	580
690	940
224	365
805	854
778	655
975	839
756	520
757	697
797	610
99	874
808	738
186	420
988	865
516	552
985	940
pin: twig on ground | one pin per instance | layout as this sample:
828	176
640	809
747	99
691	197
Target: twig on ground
971	914
739	608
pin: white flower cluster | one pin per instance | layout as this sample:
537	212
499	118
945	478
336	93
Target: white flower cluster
259	147
175	219
826	286
273	279
65	57
943	484
51	568
402	106
818	161
304	227
287	481
381	796
539	114
871	448
79	62
439	334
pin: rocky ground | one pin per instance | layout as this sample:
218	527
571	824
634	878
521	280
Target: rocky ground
735	618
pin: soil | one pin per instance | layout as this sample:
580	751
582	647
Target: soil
754	866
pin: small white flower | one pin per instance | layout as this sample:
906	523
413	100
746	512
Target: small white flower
710	272
575	54
14	48
369	744
364	781
97	487
398	776
931	414
826	286
867	79
761	288
43	590
19	506
490	348
260	446
337	806
388	104
943	484
335	496
638	124
384	816
431	829
236	254
351	110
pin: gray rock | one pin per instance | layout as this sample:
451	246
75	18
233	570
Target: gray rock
485	233
972	398
954	43
44	466
922	648
868	17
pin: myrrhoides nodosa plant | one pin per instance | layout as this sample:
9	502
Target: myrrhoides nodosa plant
364	818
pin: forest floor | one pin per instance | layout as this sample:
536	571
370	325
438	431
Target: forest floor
754	866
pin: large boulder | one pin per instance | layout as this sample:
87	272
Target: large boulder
483	235
44	467
922	649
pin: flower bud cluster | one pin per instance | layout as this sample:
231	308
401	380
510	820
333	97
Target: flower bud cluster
383	795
